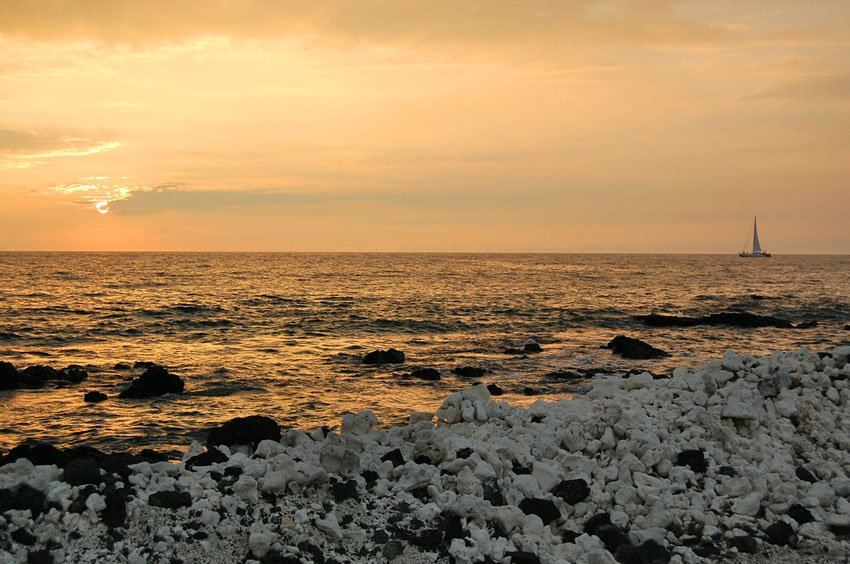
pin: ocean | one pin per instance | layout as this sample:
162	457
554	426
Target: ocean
283	335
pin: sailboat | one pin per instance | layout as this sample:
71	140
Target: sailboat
757	251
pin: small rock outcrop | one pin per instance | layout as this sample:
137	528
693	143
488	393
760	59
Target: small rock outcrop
244	431
155	381
390	356
634	349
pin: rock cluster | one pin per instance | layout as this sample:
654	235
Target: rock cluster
389	356
706	465
731	319
38	376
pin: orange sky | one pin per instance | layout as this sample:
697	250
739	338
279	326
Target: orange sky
432	125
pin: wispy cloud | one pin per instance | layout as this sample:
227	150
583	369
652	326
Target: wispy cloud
25	148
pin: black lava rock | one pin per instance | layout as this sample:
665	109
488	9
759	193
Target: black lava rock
24	537
431	374
528	391
155	381
244	431
612	536
572	491
780	534
731	319
81	471
469	371
42	556
800	514
745	543
115	513
452	527
543	508
27	497
532	348
495	390
522	557
597	521
636	349
208	458
395	456
10	378
727	471
344	490
121	366
392	549
693	459
464	453
706	549
805	475
492	491
390	356
94	397
39	454
170	499
6	496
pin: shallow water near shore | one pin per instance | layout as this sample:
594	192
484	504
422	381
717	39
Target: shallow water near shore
283	334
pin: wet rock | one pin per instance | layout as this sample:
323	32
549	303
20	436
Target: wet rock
495	390
121	366
528	391
170	499
565	375
208	458
37	453
10	378
390	356
543	508
780	534
430	374
532	347
572	491
144	365
94	397
155	381
635	349
469	371
81	471
693	459
244	431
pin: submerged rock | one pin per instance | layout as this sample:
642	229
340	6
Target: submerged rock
635	349
390	356
95	397
731	319
431	374
155	381
469	371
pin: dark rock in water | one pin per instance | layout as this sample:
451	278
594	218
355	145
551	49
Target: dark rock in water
805	475
780	534
142	365
565	375
81	471
636	349
693	459
572	491
469	371
395	456
800	514
208	458
94	397
806	325
492	491
514	351
41	372
115	513
495	390
732	319
244	431
344	490
40	454
745	543
170	499
74	374
24	537
522	557
847	327
390	356
155	381
121	366
10	378
543	508
27	497
527	391
426	374
532	348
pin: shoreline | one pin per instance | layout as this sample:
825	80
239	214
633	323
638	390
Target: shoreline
734	456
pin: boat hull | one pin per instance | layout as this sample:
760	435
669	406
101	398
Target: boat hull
754	255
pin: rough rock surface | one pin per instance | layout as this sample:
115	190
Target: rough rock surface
155	381
628	347
634	471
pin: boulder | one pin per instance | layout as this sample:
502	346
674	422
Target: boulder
572	491
208	458
469	371
543	508
155	381
81	471
730	319
430	374
693	459
495	390
635	349
10	378
170	499
95	397
244	431
390	356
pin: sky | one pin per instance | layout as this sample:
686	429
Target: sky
425	125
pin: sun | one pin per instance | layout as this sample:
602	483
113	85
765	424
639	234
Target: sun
102	207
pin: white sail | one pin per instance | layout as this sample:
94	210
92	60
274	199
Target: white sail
756	245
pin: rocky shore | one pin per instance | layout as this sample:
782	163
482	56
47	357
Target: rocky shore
743	459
